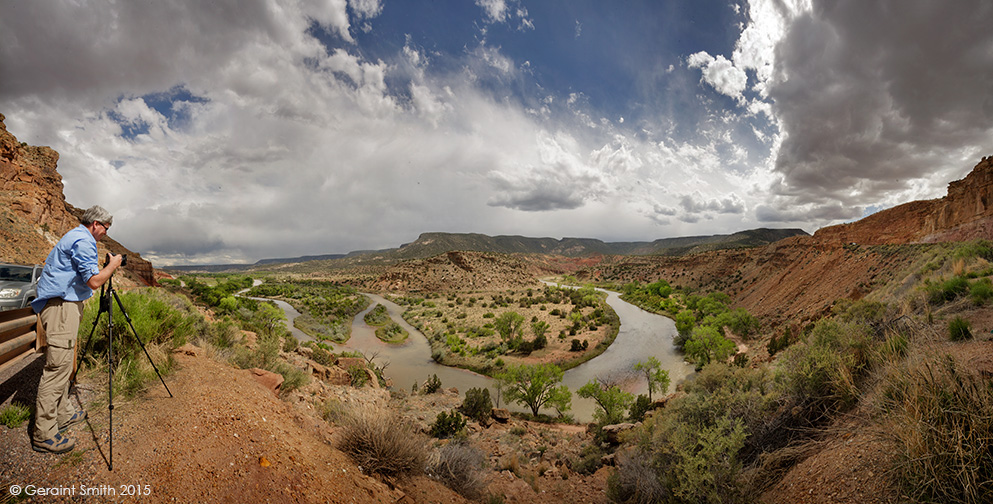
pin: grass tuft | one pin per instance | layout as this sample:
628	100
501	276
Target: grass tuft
941	421
383	442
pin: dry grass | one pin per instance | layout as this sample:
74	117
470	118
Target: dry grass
382	442
460	467
941	421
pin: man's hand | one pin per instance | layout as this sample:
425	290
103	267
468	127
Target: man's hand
113	262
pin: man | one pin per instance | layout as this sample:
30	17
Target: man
70	275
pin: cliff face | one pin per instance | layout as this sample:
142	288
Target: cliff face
34	213
964	213
28	176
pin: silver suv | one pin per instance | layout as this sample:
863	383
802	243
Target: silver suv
18	285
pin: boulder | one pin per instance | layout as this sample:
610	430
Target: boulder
268	379
613	432
332	375
501	415
188	349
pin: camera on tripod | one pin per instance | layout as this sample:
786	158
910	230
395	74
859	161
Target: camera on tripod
124	259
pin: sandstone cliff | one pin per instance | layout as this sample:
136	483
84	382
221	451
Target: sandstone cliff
34	212
964	213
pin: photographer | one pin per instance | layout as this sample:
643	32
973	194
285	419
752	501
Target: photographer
70	275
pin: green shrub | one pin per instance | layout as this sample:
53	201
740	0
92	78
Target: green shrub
290	343
589	460
779	343
377	316
447	424
706	464
222	334
959	329
14	415
981	291
642	404
265	355
947	290
477	404
293	377
359	376
161	320
391	332
383	442
432	385
322	356
825	370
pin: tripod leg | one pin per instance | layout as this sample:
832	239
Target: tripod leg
110	374
136	337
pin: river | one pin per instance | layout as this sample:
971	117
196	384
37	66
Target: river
642	335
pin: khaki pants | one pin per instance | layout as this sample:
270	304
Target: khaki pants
61	322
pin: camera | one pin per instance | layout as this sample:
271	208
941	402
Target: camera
124	259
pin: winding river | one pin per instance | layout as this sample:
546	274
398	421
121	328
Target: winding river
642	335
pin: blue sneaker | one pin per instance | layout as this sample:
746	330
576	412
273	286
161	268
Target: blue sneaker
58	444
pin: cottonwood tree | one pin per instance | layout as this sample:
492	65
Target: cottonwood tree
535	387
508	324
539	328
267	318
612	402
658	378
706	345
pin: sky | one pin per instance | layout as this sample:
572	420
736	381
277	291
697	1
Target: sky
228	131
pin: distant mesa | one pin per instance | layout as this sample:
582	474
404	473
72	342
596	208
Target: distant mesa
436	243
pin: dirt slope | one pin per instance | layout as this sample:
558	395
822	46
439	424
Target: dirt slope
223	437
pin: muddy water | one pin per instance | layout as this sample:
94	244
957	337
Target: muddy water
642	335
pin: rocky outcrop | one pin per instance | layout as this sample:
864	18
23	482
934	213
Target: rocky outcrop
36	213
28	176
965	213
271	381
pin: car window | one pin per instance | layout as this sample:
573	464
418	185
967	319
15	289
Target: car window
15	274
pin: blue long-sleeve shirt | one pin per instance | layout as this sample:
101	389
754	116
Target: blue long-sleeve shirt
67	269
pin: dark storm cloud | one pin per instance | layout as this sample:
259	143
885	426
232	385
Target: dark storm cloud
875	97
100	48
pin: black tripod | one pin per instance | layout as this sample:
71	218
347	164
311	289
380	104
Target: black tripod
106	305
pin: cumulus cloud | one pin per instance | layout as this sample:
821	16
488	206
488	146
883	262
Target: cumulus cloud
720	73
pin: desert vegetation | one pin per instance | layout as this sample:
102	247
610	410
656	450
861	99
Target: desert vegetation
487	331
327	308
